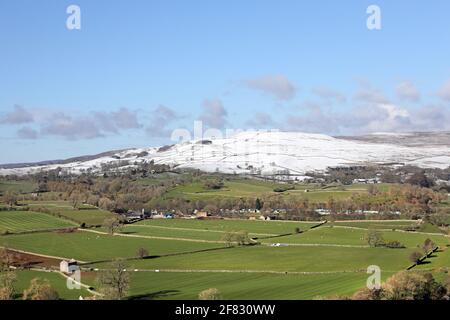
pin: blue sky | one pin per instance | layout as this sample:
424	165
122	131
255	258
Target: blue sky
138	69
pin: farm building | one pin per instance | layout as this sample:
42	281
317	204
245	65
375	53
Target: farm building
201	214
68	266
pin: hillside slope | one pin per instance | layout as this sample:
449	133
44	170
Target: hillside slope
266	153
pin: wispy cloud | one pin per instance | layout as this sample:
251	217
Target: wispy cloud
277	85
27	133
115	121
19	115
406	90
368	94
72	127
368	118
329	94
261	120
214	114
444	91
161	118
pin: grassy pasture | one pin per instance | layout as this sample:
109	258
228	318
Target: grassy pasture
438	260
251	226
380	224
86	214
282	259
243	188
20	221
57	281
344	236
17	186
240	286
167	232
88	246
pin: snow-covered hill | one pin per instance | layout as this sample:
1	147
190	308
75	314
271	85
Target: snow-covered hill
266	153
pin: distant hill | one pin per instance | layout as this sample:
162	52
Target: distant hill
269	153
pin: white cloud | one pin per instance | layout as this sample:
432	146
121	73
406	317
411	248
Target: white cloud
371	118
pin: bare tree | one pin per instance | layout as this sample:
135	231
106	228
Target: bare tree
228	237
112	224
10	198
428	245
142	253
7	281
6	259
115	282
40	290
415	257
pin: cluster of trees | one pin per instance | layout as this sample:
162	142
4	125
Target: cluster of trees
240	238
213	184
375	239
39	289
411	201
112	194
408	285
427	248
413	175
10	198
123	193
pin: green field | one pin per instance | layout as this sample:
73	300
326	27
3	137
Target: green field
281	259
88	246
86	214
325	261
245	188
381	224
57	281
358	237
241	286
20	221
17	186
440	259
251	226
168	232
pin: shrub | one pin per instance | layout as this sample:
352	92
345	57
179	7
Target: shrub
142	253
40	290
394	244
210	294
415	257
375	239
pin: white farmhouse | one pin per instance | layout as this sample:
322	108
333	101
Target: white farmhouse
68	266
